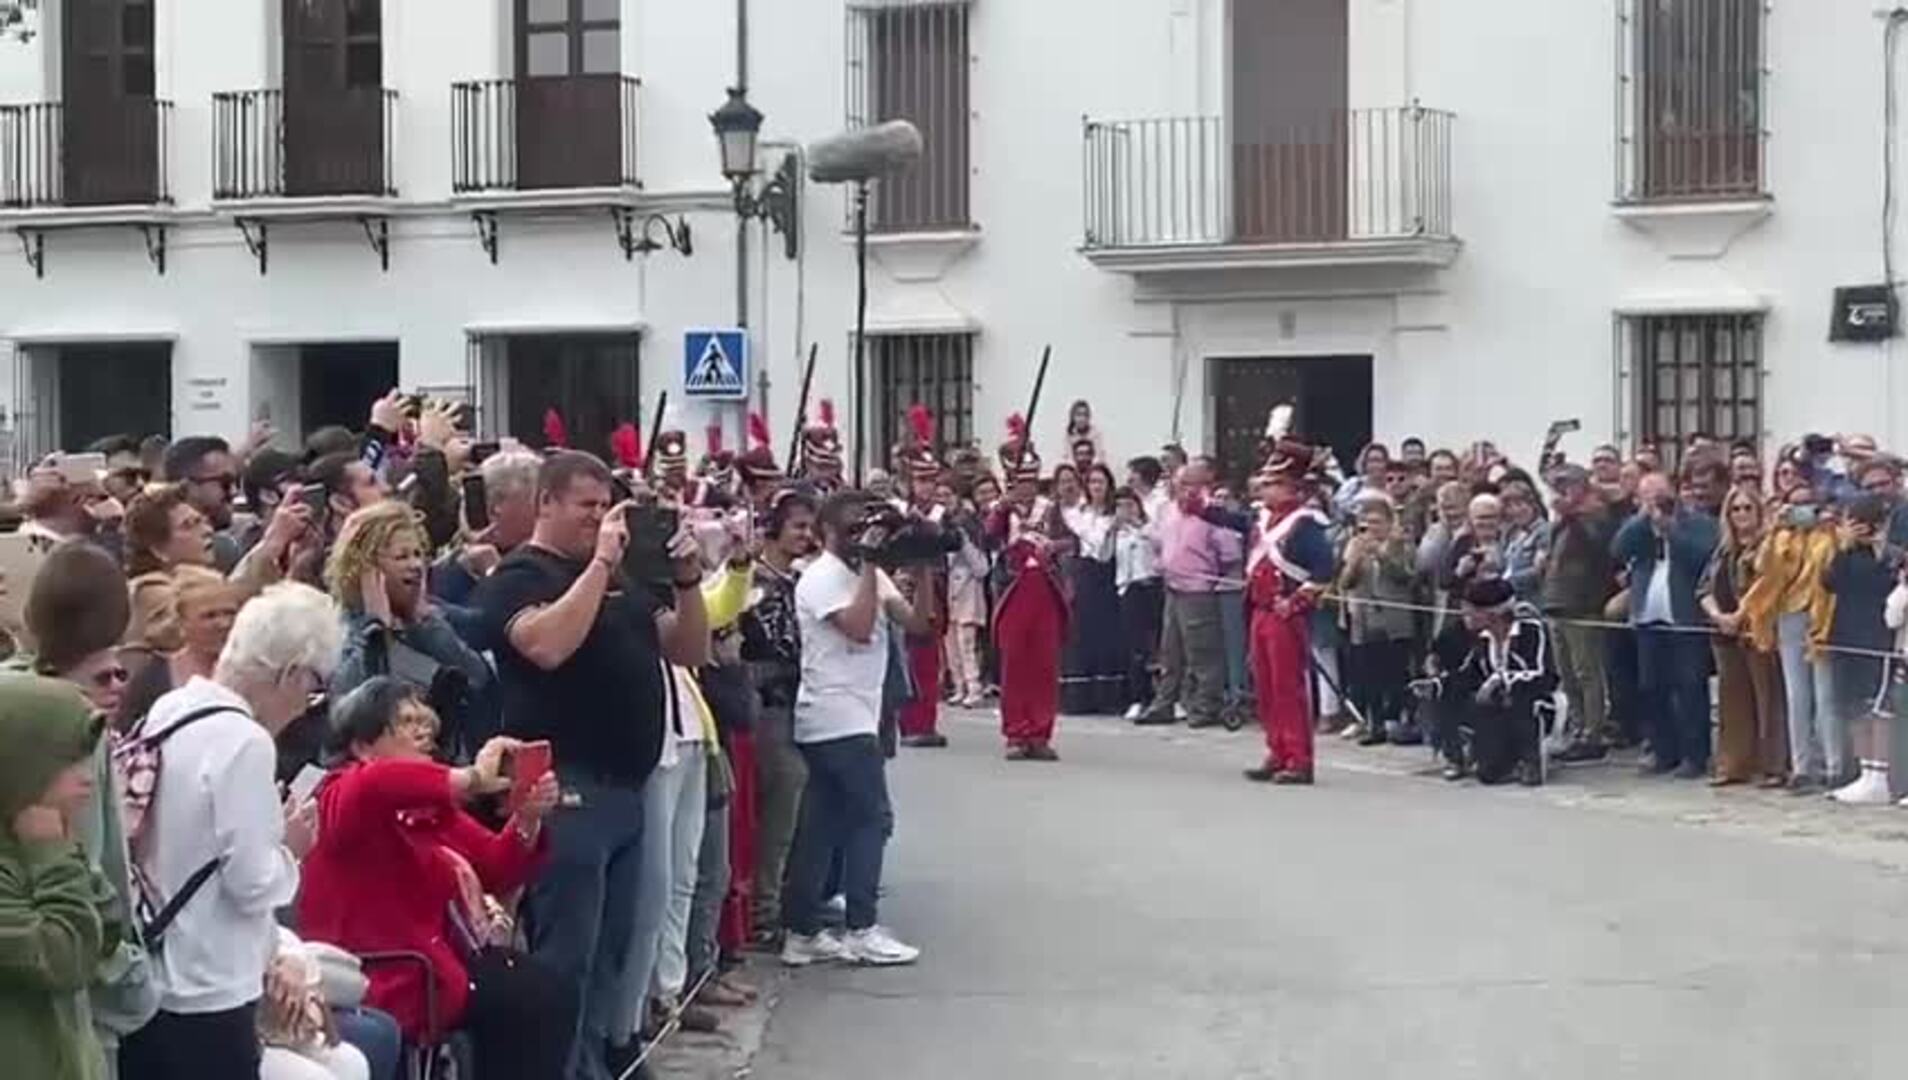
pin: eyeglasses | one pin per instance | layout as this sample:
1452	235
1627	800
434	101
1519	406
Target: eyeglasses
106	678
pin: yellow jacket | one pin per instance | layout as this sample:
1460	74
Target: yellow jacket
1789	573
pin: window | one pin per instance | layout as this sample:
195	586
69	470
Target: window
589	379
1692	374
1690	95
936	370
908	60
568	37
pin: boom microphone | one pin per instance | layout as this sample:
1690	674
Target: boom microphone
864	154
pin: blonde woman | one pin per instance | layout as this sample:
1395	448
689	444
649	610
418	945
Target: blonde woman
204	603
1788	610
376	573
1752	740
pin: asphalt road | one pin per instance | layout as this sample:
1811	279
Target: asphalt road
1137	910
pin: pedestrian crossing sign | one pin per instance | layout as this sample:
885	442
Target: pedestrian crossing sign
715	364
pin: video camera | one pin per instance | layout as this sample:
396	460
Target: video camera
905	541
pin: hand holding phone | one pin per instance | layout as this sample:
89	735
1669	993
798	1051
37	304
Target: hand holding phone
529	763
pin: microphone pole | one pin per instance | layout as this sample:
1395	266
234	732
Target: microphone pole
861	327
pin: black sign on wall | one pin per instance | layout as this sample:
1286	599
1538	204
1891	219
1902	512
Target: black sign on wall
1863	313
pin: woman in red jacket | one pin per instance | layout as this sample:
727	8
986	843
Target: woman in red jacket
399	866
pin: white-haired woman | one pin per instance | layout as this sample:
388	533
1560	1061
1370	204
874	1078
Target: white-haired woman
213	804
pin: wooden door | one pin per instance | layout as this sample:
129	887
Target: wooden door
1289	120
110	122
1330	398
569	93
334	98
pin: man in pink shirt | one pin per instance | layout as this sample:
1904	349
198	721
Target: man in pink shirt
1192	643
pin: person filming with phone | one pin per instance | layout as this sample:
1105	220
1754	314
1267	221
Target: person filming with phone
579	644
401	866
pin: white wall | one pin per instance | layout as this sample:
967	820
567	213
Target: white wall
1515	333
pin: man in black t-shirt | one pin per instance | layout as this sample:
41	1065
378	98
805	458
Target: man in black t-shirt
578	658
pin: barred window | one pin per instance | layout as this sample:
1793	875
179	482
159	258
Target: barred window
589	379
1690	91
936	370
1694	375
908	60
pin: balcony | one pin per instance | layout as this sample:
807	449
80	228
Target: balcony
545	141
102	162
304	151
1345	188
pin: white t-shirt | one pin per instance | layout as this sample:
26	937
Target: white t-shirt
840	693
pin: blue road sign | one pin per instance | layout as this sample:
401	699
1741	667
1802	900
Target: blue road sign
715	364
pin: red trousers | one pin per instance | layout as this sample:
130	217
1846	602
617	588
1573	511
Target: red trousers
922	715
1027	635
733	930
1282	675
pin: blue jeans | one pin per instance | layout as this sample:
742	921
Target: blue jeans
1818	741
582	906
845	806
375	1035
1673	670
674	808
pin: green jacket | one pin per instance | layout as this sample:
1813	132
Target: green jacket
56	921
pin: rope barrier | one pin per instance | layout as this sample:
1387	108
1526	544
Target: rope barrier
1554	620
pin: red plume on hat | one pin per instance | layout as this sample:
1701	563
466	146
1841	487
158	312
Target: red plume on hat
1017	426
712	435
827	412
921	423
554	433
627	445
758	431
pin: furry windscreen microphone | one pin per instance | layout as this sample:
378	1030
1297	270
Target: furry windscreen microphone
864	154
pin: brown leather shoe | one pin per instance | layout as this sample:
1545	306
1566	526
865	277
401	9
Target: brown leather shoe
1262	774
1042	752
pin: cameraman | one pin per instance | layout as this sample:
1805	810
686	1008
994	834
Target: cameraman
843	605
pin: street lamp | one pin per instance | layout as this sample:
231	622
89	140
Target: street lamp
737	125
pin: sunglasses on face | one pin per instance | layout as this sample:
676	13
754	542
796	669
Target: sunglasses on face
106	678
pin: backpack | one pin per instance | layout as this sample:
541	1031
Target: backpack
137	759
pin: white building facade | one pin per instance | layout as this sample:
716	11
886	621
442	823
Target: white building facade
1409	217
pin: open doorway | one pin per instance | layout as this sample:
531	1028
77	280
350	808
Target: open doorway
116	388
1330	397
338	381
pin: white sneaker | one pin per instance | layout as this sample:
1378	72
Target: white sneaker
836	905
878	948
800	950
1134	711
1868	789
1179	711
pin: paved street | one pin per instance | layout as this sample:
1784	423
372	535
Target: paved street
1138	910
